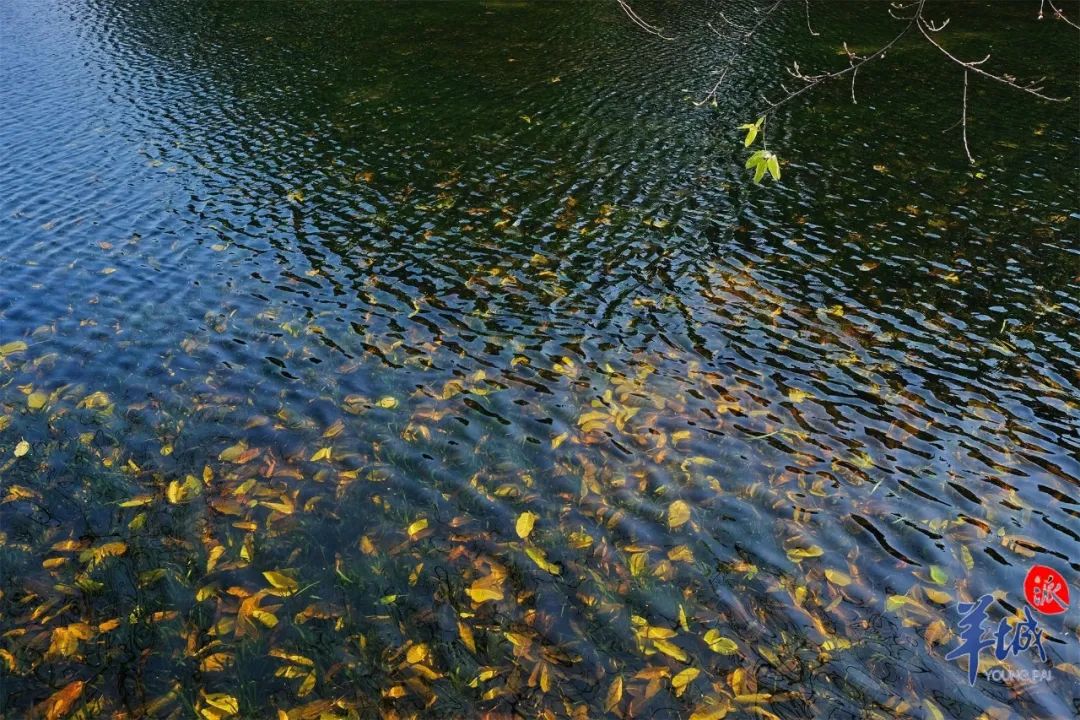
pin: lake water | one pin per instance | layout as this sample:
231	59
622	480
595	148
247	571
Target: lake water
310	311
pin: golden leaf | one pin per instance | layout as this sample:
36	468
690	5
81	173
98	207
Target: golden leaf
231	453
614	693
36	400
524	525
387	403
939	596
21	448
417	527
59	704
180	492
467	636
307	686
838	578
678	514
281	582
797	554
223	702
486	588
541	560
12	347
670	649
321	454
683	679
720	644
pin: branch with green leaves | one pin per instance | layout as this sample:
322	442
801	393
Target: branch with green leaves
761	161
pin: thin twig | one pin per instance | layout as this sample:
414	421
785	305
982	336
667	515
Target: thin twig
963	122
973	66
651	29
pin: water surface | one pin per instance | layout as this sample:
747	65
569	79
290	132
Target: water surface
305	305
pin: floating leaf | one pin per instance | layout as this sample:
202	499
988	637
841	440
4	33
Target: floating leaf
36	400
321	454
938	575
678	514
524	525
388	402
21	448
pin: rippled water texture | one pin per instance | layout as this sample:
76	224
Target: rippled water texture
309	311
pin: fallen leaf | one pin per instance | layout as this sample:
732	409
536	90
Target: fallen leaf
678	514
524	525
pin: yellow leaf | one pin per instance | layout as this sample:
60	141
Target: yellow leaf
12	347
895	601
670	649
417	527
387	403
796	395
321	454
280	581
186	491
525	523
231	453
683	679
307	686
684	623
416	653
467	636
720	644
932	711
838	578
36	400
710	712
221	701
614	693
939	596
486	588
21	448
797	554
678	514
753	698
541	560
137	501
95	555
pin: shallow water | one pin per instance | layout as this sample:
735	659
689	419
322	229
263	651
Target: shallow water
338	292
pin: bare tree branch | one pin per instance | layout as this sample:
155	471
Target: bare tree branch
651	29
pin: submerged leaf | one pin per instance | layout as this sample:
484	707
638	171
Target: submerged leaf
525	523
678	514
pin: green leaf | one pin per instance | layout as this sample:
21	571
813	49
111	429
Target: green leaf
774	167
751	135
755	159
759	172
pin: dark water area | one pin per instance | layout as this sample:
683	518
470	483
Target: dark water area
440	360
